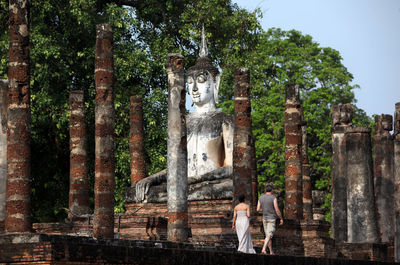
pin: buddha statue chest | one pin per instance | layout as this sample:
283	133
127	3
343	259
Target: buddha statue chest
206	145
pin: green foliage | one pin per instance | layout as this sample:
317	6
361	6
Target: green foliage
279	58
62	59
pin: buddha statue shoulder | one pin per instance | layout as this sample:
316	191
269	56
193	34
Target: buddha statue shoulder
209	141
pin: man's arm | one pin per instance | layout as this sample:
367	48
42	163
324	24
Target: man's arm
278	212
258	206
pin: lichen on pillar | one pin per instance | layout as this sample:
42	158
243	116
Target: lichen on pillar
177	180
136	140
18	190
396	179
293	149
383	177
361	216
3	150
103	226
341	119
243	137
78	174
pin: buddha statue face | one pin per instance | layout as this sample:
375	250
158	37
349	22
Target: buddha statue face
202	88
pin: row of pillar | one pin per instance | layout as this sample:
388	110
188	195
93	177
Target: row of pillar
369	211
16	166
18	196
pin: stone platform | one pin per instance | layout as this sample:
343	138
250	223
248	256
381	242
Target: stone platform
56	249
210	223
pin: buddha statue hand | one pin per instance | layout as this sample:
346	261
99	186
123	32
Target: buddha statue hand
142	186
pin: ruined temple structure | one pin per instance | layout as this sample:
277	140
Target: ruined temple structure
366	216
211	158
396	181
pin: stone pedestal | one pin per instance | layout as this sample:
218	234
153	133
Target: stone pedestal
104	134
361	216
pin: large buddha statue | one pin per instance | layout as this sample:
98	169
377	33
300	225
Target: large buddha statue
209	142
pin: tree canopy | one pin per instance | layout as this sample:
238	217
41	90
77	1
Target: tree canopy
62	36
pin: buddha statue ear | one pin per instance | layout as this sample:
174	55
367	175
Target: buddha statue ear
216	87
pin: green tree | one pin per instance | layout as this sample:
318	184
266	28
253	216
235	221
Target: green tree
278	58
62	59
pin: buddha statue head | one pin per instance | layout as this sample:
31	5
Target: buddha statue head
203	80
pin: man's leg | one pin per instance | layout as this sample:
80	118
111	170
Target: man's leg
267	242
270	247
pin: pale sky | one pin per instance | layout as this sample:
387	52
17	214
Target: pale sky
365	32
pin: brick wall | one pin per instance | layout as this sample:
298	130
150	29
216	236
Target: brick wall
78	250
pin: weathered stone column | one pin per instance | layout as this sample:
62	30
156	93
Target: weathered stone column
78	173
177	181
396	179
307	195
341	119
136	140
361	217
243	137
383	177
104	134
293	144
18	189
3	150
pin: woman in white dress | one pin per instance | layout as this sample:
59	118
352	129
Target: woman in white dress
241	224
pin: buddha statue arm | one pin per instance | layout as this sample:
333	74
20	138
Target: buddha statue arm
142	186
227	133
219	173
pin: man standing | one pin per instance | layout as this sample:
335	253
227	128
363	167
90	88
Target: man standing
269	206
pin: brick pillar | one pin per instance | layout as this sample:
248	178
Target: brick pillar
293	144
136	140
396	179
306	181
104	134
3	150
18	188
383	177
341	119
177	181
361	217
78	173
243	138
254	176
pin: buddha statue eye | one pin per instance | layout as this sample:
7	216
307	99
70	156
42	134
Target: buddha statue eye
190	80
201	78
